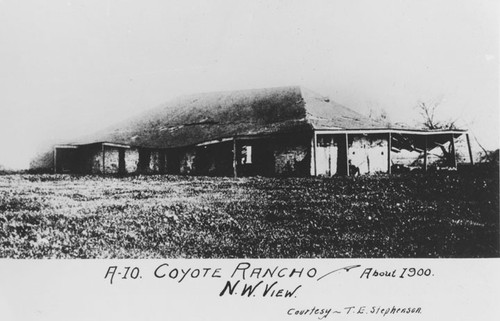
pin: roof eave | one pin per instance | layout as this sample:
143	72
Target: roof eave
392	130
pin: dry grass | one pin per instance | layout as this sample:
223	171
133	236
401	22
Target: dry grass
434	215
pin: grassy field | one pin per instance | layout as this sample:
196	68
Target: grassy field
447	214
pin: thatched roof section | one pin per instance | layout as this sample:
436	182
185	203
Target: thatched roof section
197	118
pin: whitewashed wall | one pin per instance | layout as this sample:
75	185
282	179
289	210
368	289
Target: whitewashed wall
369	154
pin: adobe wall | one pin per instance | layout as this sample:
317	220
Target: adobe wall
150	161
330	153
111	160
288	159
292	156
326	160
154	161
132	157
327	154
131	160
187	164
285	155
369	153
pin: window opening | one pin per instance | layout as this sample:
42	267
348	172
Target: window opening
246	154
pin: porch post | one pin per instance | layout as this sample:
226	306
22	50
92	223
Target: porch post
425	154
452	142
470	150
235	161
347	152
314	154
103	160
55	160
389	147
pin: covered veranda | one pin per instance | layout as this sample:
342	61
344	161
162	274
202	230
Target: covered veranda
386	150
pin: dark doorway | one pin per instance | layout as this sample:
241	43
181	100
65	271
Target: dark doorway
341	154
144	159
121	161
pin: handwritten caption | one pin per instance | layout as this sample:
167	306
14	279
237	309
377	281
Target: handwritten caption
248	280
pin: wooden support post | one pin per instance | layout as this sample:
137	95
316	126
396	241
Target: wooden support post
347	152
235	160
314	154
425	154
470	150
454	154
329	164
103	160
389	147
55	160
162	155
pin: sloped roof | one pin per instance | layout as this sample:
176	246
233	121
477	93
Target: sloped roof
198	118
322	113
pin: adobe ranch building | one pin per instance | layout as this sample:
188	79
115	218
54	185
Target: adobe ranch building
288	131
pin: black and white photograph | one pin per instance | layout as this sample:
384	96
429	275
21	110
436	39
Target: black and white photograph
212	144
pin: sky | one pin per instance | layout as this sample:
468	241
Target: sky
69	68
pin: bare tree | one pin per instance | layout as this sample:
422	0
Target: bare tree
430	121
